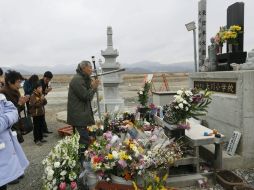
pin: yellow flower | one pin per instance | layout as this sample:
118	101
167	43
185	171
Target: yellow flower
165	177
235	28
149	188
134	185
123	155
127	141
110	156
132	146
157	179
141	150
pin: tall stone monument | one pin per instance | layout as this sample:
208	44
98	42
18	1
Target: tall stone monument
201	32
111	82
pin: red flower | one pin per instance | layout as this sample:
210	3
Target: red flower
74	185
62	186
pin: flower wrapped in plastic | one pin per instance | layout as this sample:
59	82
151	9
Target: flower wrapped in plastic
187	104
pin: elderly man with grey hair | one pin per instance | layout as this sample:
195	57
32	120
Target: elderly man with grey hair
79	110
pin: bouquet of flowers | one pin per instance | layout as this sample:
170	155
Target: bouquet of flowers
155	182
61	166
100	156
187	104
110	154
231	34
162	155
219	38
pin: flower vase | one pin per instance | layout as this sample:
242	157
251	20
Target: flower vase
220	49
230	48
90	179
175	130
120	180
236	48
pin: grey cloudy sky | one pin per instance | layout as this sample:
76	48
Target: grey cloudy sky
52	32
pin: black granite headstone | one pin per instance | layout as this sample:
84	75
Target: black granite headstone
235	16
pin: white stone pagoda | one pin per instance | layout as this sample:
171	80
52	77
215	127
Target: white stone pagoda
111	82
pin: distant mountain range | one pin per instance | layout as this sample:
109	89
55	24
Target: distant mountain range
148	67
138	67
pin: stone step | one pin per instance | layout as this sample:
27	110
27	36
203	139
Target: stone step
228	162
184	180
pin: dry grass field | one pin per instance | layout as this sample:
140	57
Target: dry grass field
175	80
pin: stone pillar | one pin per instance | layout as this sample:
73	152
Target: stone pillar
111	82
109	37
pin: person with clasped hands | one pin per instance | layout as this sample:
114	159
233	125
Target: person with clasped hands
13	161
79	110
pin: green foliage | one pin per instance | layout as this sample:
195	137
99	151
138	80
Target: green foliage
143	94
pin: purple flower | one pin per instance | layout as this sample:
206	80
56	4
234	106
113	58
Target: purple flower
122	163
107	135
183	126
197	98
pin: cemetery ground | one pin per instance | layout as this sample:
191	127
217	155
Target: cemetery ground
57	100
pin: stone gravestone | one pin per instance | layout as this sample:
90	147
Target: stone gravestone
235	16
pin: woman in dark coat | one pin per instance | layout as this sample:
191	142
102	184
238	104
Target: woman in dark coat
13	81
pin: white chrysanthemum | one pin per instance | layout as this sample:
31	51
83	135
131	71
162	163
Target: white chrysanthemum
140	92
115	154
63	173
50	175
54	181
186	108
185	102
188	93
57	164
179	92
180	105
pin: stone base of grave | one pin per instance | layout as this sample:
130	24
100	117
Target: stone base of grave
232	107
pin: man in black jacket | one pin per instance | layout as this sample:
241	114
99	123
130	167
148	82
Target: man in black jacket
46	88
79	110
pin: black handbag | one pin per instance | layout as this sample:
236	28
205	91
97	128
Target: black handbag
16	128
25	123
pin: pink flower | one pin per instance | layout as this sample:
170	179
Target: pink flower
153	138
62	186
122	163
74	185
152	106
107	135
